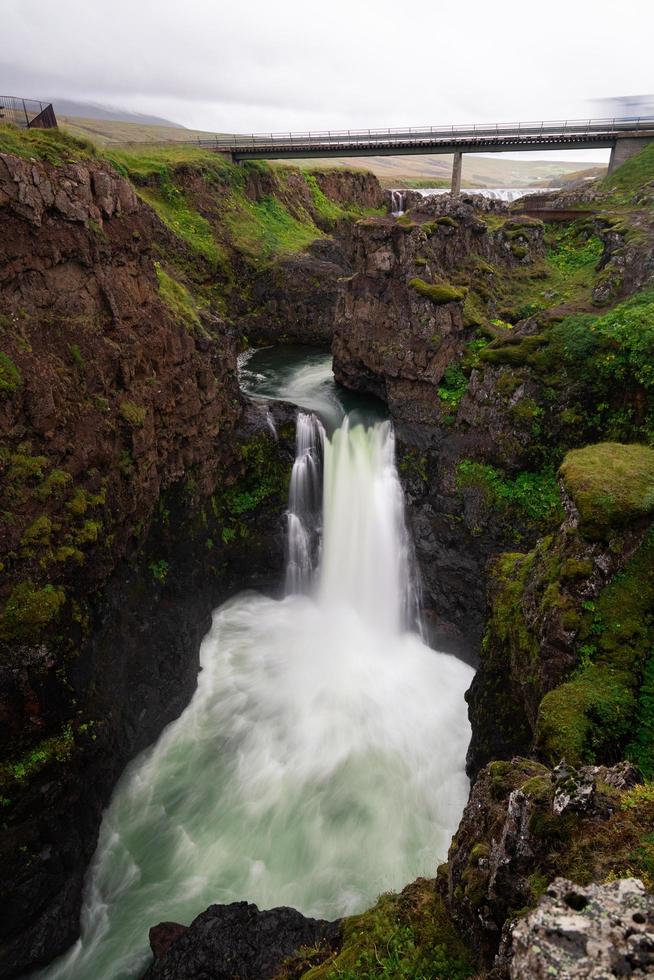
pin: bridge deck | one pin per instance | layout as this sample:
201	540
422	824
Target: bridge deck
558	135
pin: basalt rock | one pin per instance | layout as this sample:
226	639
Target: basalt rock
139	489
295	298
524	824
239	941
593	933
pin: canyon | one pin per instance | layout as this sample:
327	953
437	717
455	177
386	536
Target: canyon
142	485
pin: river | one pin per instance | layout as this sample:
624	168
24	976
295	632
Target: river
320	761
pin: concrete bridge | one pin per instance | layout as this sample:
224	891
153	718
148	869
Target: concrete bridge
623	137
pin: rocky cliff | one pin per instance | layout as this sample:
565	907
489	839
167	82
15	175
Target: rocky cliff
138	490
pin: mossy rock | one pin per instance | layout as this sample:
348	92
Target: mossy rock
438	294
611	484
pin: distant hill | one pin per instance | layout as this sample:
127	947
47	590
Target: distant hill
93	110
400	171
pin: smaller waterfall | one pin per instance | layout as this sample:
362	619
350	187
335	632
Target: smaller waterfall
304	504
397	203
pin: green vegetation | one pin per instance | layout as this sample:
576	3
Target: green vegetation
438	294
178	300
29	610
134	415
572	248
409	935
594	714
266	228
49	145
264	478
55	748
453	386
159	570
10	376
630	178
611	484
533	497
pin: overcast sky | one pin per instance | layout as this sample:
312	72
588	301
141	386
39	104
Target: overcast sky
260	65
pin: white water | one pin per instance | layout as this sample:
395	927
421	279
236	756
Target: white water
507	194
320	761
397	203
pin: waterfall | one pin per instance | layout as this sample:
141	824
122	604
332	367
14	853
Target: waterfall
397	203
320	761
366	550
304	502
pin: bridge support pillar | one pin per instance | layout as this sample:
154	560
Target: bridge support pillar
457	164
624	148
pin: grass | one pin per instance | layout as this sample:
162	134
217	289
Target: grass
408	936
631	177
49	145
263	229
178	300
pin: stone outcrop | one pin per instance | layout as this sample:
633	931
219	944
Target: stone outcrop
237	940
399	321
524	824
591	933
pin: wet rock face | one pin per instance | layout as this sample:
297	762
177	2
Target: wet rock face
295	299
596	932
237	940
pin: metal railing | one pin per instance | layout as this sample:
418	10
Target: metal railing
27	113
517	131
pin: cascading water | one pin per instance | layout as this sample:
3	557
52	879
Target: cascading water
397	203
304	504
320	761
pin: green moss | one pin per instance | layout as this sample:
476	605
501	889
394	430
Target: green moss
266	228
641	749
24	468
10	376
611	484
176	211
446	221
55	748
88	533
404	936
178	300
438	294
585	718
38	533
606	702
29	610
54	484
134	415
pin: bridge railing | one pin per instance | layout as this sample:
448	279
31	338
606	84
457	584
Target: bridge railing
581	127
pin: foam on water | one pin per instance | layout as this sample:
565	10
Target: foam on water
321	759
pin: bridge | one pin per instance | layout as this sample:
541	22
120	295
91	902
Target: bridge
623	137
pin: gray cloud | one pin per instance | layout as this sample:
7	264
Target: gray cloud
302	65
